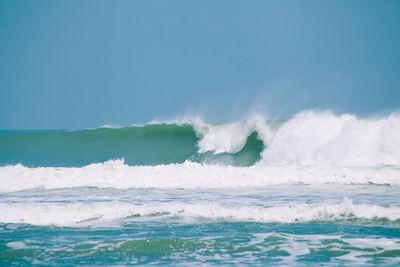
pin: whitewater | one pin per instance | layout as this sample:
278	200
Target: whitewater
319	188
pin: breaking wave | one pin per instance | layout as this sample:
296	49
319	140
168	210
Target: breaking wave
310	148
309	138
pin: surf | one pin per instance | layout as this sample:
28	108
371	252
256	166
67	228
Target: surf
117	174
78	214
308	138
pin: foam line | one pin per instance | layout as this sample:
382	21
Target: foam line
116	174
84	214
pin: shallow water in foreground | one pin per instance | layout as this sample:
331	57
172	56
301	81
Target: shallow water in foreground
228	226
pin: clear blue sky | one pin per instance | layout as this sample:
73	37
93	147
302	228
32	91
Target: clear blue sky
79	64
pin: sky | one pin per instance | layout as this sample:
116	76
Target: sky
81	64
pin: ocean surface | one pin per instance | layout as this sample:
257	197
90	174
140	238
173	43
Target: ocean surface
317	189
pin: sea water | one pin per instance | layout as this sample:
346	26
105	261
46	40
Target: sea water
317	189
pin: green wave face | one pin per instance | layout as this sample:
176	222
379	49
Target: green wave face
137	145
247	156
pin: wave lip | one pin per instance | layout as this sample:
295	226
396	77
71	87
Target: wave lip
84	214
231	137
309	138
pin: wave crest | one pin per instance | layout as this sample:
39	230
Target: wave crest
326	139
309	138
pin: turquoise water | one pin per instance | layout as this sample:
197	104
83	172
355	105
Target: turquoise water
138	145
319	189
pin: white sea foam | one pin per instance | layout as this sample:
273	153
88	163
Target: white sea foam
312	138
231	137
84	213
309	138
222	138
311	148
218	138
357	250
324	138
17	245
116	174
227	137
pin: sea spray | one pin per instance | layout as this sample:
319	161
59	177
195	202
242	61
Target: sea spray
309	138
319	188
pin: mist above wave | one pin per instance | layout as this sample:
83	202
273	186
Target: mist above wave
309	138
319	138
340	140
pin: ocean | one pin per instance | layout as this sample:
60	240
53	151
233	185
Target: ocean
317	189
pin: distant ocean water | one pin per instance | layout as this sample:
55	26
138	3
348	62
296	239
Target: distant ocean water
319	189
